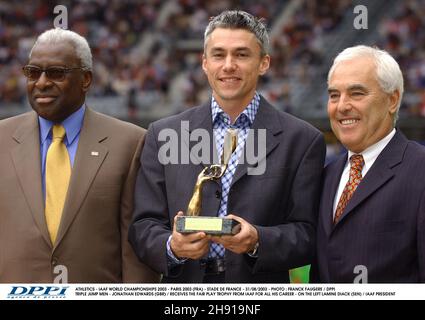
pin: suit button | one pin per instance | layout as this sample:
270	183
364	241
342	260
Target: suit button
54	261
218	194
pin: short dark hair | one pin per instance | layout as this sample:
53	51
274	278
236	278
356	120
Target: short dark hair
236	19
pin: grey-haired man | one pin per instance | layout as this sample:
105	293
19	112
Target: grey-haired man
67	177
276	209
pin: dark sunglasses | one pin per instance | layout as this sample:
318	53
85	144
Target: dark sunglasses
52	73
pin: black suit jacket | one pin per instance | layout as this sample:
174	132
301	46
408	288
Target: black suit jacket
282	203
383	225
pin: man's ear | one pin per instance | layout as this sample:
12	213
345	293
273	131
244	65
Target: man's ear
87	79
394	99
264	64
204	63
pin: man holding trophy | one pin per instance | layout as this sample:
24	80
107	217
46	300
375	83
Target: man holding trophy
225	216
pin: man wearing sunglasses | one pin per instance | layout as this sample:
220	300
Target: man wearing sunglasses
67	177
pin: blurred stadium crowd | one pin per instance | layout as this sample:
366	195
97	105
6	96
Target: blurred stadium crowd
147	53
403	36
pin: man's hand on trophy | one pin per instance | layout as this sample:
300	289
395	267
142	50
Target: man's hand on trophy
189	245
245	241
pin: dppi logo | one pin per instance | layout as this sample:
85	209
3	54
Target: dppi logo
37	292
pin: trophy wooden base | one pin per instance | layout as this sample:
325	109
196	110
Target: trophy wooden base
209	225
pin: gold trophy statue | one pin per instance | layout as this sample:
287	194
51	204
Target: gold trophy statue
192	222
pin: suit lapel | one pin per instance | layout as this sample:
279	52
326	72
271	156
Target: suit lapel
27	162
379	173
88	159
332	178
265	119
201	119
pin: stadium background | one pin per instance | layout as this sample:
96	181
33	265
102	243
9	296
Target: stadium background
147	53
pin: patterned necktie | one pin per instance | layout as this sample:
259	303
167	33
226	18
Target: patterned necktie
356	167
58	172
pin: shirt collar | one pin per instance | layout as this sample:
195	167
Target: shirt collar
372	152
250	111
72	125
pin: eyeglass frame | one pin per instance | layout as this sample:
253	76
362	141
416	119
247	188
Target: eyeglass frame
65	70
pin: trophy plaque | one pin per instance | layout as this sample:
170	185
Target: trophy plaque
192	221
